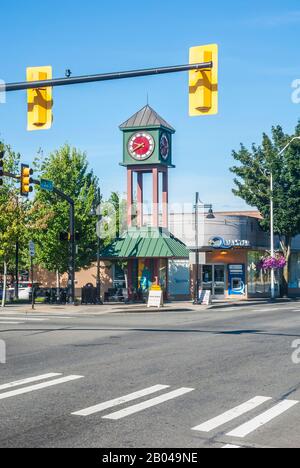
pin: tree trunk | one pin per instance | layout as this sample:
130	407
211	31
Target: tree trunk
4	285
287	251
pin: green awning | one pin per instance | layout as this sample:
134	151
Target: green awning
146	242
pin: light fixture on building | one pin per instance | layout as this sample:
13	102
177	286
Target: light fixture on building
224	253
210	214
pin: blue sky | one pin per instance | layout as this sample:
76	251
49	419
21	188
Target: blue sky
259	59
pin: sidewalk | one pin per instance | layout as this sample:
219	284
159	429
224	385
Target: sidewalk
99	310
134	308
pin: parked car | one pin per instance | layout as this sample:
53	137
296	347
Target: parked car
9	294
25	290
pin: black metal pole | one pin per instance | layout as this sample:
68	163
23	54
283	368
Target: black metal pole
72	253
32	281
104	77
17	271
196	295
98	285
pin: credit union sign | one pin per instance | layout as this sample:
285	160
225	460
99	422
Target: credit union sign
220	243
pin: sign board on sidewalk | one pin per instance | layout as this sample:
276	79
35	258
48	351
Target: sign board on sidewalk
31	249
47	185
156	298
205	297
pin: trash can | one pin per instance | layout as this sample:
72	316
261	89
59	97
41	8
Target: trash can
89	294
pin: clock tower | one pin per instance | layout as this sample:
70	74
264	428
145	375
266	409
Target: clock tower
147	140
146	248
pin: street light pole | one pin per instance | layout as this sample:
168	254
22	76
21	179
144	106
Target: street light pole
273	292
98	251
196	291
210	216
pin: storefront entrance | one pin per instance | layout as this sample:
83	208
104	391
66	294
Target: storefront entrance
214	280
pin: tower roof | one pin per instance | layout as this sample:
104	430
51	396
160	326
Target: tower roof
146	117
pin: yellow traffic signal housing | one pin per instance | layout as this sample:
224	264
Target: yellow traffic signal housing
39	100
26	180
203	84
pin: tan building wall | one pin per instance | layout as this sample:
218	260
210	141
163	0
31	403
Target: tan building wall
48	279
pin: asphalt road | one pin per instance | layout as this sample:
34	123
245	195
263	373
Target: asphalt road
149	379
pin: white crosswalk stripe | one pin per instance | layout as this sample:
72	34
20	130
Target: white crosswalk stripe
21	319
262	419
40	386
19	383
231	414
229	446
120	401
148	404
134	396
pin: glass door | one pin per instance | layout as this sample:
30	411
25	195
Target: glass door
219	280
207	278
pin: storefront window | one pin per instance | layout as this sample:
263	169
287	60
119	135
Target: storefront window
295	271
259	281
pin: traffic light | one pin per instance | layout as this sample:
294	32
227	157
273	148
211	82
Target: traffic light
39	100
66	237
203	84
1	167
26	180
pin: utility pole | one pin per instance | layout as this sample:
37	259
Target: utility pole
196	289
98	250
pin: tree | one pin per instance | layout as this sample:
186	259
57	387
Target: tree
68	169
253	185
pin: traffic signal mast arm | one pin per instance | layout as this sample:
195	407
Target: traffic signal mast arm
106	77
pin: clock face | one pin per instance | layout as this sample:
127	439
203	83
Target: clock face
164	147
141	146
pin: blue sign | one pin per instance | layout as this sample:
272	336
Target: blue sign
47	185
220	243
236	280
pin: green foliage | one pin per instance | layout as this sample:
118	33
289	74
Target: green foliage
253	180
68	169
252	184
20	220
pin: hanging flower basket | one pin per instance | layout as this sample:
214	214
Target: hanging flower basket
269	263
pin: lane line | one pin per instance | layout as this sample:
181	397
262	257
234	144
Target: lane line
23	318
262	419
148	404
231	414
33	388
18	383
229	446
120	401
11	323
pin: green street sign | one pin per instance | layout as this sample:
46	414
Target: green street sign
47	185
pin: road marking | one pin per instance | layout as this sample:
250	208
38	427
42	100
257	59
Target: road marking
11	323
148	404
262	419
229	446
12	319
121	400
40	386
18	383
231	414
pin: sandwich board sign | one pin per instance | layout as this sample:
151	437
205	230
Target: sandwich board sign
205	297
156	298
